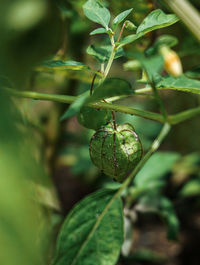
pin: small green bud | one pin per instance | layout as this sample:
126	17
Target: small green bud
129	25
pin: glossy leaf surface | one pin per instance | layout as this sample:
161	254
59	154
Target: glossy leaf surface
155	20
96	12
118	19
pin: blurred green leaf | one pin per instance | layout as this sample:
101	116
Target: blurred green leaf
103	53
98	31
97	13
167	40
62	65
154	202
128	39
75	107
168	214
181	83
93	231
153	65
191	188
23	226
156	168
194	73
155	20
118	19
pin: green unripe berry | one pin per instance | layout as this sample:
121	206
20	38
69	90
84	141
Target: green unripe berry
93	118
116	151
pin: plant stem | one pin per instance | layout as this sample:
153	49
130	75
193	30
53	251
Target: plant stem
187	13
100	105
185	115
172	119
121	32
160	102
92	84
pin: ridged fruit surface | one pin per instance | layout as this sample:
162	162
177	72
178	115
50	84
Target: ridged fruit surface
116	151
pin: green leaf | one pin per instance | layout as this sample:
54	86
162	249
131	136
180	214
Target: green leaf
98	31
92	118
93	231
110	88
118	19
128	39
103	53
191	188
155	20
97	13
153	65
75	107
155	168
181	83
170	218
194	73
167	40
62	65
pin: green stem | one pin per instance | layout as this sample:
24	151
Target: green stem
185	115
99	105
195	91
172	119
159	100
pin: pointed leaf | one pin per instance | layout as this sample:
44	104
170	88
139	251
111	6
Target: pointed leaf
155	20
118	19
97	13
167	40
191	188
128	39
98	31
181	83
75	107
167	212
62	65
93	231
153	65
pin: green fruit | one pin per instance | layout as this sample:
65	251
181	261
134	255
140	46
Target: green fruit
93	118
116	151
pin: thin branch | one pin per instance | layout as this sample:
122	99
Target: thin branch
100	105
184	115
172	119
